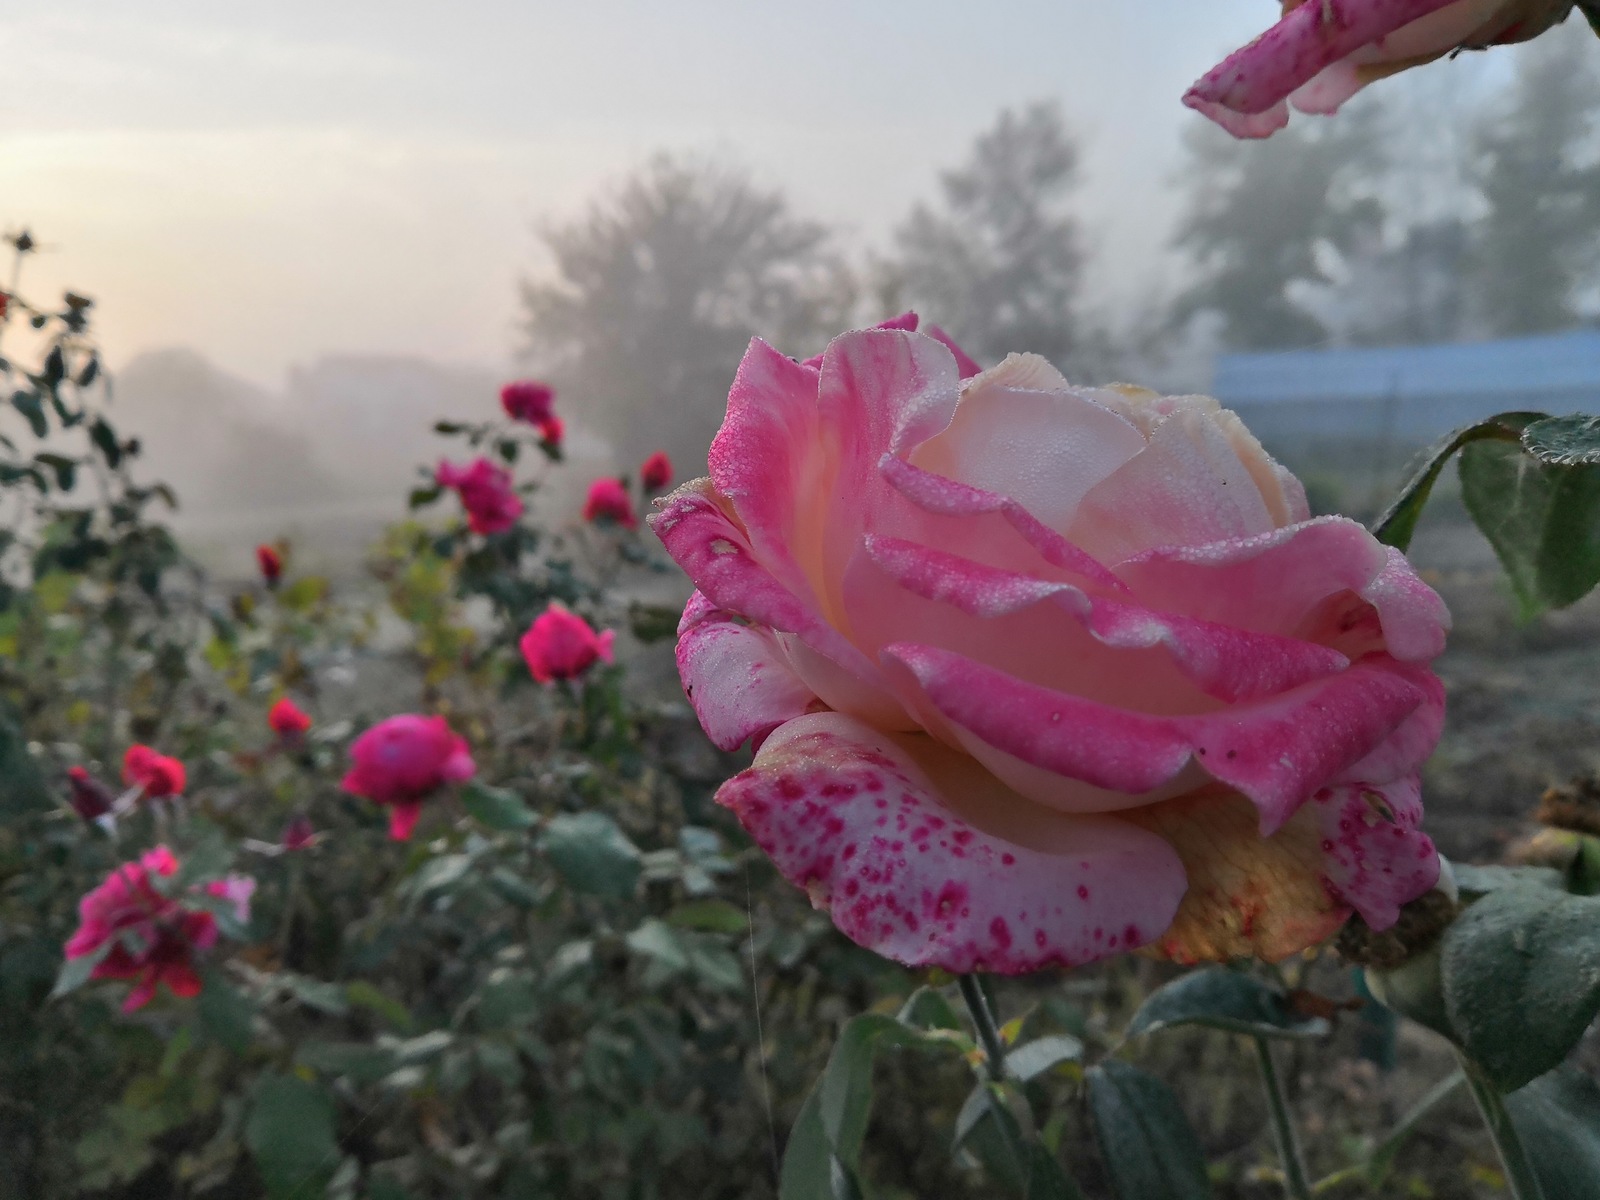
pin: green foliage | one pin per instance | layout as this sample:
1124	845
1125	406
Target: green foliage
1146	1141
592	853
1223	999
290	1133
1558	1119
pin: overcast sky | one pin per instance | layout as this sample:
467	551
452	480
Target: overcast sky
270	182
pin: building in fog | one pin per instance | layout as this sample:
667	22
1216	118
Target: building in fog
1406	395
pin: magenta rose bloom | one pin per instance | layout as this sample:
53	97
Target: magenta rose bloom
158	939
1038	674
404	760
486	492
157	774
561	645
608	500
528	400
286	719
1322	53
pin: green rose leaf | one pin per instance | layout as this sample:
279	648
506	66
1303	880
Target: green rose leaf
227	1014
31	406
1150	1151
290	1132
1519	981
1399	522
1542	520
1564	441
592	854
1032	1059
1558	1118
1223	999
496	808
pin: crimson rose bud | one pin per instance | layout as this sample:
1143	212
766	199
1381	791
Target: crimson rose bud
271	564
286	720
527	400
656	472
157	774
609	500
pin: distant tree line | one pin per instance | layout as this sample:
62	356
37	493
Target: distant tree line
1370	229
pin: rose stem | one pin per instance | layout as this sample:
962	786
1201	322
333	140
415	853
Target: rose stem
1295	1184
1524	1184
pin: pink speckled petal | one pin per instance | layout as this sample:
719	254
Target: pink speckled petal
1283	582
1188	487
736	677
1021	431
1275	751
1242	125
922	857
1375	858
1309	38
1223	662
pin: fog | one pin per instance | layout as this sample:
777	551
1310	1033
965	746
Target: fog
312	233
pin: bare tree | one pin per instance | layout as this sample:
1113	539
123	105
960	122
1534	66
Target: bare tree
658	288
998	263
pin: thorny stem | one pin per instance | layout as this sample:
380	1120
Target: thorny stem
1295	1183
1524	1184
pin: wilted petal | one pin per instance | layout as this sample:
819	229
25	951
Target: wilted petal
922	857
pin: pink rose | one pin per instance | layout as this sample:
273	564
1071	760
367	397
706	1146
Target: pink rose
1039	674
402	761
561	645
1322	53
608	500
89	798
157	774
527	400
286	720
655	472
486	492
156	938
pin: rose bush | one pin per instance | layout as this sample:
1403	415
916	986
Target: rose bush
1320	54
1038	674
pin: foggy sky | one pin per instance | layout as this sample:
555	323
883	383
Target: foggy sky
268	183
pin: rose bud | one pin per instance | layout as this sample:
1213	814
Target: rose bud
271	564
156	774
562	645
89	798
527	400
298	834
286	720
609	501
156	939
1040	674
551	430
1322	52
486	492
404	760
655	473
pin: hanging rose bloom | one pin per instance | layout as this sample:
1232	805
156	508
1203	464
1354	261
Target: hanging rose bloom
486	492
1323	52
157	774
562	645
286	720
271	564
527	400
156	939
609	500
655	473
89	798
1039	674
404	760
299	834
551	430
